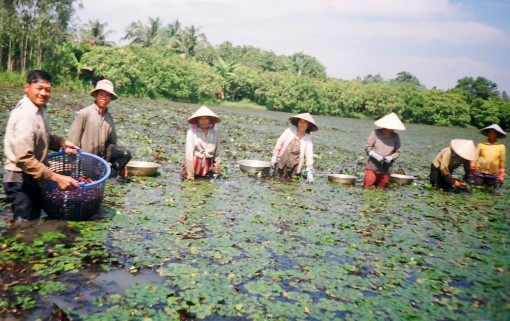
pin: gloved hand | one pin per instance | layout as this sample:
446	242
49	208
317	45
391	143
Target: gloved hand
273	159
388	159
376	156
501	177
309	176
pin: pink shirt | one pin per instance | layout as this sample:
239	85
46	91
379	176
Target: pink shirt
384	146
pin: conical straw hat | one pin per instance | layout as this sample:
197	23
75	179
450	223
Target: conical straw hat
390	121
499	130
465	148
204	111
308	118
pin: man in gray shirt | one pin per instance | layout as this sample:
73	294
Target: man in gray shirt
94	129
26	143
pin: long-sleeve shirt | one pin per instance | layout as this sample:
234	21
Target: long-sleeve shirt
306	152
201	146
384	146
92	131
491	157
27	141
446	161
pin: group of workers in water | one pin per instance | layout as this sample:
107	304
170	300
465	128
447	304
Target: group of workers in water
28	140
483	165
293	153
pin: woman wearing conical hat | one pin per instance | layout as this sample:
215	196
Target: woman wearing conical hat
489	169
383	148
202	157
294	148
460	153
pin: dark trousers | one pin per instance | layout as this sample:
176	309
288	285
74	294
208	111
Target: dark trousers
25	198
437	179
119	157
481	179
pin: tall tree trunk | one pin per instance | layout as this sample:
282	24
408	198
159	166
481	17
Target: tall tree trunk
2	32
39	52
24	48
31	55
9	56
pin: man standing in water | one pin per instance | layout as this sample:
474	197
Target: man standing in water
26	144
94	129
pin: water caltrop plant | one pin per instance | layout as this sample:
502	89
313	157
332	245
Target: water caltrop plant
245	247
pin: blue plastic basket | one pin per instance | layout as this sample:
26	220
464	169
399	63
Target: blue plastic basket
81	203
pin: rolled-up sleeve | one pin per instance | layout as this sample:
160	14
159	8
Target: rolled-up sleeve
309	155
281	140
188	157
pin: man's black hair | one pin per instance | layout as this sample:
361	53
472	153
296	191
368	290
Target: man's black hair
37	76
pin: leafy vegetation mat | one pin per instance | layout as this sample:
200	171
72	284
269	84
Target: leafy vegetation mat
253	248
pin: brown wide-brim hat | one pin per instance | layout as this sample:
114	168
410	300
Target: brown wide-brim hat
204	111
105	85
306	116
465	148
499	130
390	121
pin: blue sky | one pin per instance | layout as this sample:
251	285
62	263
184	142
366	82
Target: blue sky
438	41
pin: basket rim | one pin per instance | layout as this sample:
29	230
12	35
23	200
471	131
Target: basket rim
105	163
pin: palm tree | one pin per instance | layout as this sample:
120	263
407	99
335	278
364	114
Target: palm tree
154	31
94	34
191	40
135	32
143	35
173	29
172	35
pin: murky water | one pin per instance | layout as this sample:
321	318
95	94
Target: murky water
248	247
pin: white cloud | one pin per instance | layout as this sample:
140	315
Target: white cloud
351	37
440	72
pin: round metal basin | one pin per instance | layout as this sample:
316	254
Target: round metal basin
402	179
254	166
138	168
343	179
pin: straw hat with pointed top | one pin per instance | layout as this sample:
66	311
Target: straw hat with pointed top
465	148
105	85
499	130
306	116
204	111
390	121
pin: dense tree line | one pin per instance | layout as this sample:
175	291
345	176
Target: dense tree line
29	30
178	63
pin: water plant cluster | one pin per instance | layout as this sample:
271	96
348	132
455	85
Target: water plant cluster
245	247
